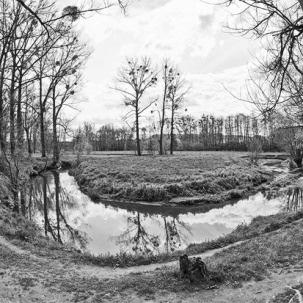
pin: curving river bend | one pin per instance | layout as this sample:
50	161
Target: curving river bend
69	216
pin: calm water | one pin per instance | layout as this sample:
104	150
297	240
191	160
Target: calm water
69	216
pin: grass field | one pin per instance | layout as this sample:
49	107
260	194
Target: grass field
185	178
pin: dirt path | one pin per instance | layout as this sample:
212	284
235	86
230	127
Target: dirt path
110	272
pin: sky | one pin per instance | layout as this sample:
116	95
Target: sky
191	33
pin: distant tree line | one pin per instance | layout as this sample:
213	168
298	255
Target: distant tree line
234	133
106	138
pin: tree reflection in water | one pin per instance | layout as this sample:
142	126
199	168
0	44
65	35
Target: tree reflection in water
50	201
294	198
174	233
137	239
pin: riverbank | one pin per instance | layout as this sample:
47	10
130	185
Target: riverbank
19	228
27	235
186	179
274	257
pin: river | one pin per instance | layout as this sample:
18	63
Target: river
68	216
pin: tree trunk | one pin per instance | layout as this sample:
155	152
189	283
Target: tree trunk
138	132
55	138
23	202
28	139
42	131
162	122
12	110
172	122
298	158
35	139
45	206
2	136
19	114
16	200
57	198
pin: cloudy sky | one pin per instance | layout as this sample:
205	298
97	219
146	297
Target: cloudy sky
191	33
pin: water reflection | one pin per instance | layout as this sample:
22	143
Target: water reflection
136	237
49	205
176	233
294	198
68	216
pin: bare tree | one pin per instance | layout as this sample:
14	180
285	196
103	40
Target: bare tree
134	80
166	82
177	90
279	77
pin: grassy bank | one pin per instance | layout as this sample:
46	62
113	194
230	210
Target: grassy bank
253	260
275	244
276	251
259	226
186	178
26	234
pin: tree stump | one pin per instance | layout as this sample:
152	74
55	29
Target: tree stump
193	269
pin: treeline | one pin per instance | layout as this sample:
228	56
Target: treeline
236	132
106	138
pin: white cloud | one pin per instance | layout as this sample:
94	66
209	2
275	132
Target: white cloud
173	30
190	35
211	93
242	212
